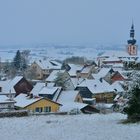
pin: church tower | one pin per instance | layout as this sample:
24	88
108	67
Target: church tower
132	47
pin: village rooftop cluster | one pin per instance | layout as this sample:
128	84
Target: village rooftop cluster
72	86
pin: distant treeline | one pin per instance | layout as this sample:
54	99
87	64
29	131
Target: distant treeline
75	60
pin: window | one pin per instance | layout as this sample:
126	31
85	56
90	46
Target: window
38	109
9	106
47	109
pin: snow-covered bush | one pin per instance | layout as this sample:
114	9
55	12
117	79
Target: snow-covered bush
133	106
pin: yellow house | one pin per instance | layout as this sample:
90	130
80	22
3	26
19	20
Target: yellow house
37	104
106	97
97	89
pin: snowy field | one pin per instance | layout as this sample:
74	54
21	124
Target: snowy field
79	127
54	52
50	52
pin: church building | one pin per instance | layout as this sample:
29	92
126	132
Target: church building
132	47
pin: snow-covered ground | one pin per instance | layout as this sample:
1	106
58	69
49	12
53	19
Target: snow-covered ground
52	51
78	127
61	52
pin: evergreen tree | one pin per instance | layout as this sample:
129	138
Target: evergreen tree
133	106
23	64
20	60
17	60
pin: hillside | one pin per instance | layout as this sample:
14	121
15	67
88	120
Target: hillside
79	127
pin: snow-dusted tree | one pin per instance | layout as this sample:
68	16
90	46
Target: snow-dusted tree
133	107
61	80
24	58
31	73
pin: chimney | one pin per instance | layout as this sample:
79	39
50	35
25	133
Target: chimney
101	79
31	96
78	73
95	85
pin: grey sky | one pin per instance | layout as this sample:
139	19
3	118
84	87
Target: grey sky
69	22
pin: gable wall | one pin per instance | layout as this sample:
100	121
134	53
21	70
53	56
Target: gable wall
23	86
104	97
43	103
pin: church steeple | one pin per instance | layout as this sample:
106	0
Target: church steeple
131	47
132	41
132	32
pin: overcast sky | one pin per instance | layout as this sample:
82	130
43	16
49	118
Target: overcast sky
76	22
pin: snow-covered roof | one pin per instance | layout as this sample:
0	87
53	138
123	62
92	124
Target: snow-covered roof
67	107
68	96
101	73
112	58
48	90
55	63
50	84
117	65
9	86
117	86
53	75
121	71
5	99
37	88
86	69
48	64
115	53
22	100
55	97
76	81
131	59
15	80
3	83
74	68
96	86
67	99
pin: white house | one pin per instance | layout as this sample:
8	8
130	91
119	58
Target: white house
6	104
